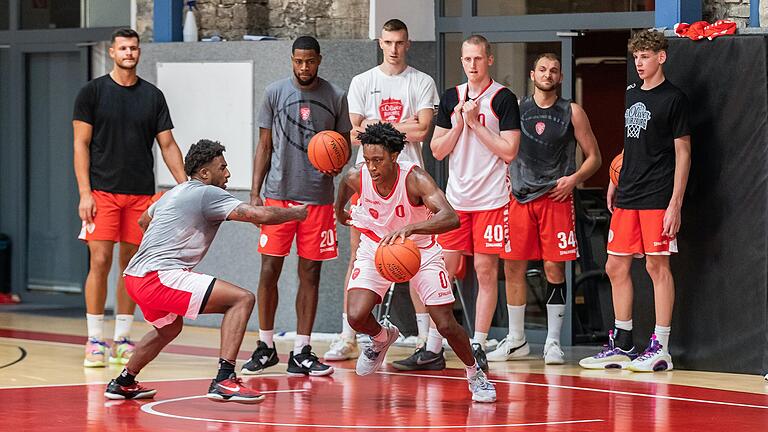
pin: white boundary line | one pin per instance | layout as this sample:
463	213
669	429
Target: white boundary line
150	409
143	381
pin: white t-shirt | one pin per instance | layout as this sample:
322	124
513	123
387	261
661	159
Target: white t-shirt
393	98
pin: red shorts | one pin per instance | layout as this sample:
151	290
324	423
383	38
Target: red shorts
165	295
315	236
542	229
117	217
638	233
482	231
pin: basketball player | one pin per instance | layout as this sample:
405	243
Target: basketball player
179	229
646	205
114	169
293	111
541	215
478	126
399	200
395	93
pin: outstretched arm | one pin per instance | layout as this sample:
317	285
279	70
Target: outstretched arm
267	215
422	188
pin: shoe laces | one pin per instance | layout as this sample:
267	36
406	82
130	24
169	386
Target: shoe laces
99	343
653	348
124	340
481	381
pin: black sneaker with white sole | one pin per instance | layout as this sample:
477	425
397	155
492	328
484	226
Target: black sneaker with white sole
134	391
479	354
307	363
422	360
261	359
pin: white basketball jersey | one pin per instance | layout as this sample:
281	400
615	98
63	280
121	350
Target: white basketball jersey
477	178
376	216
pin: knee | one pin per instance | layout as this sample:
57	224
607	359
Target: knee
248	299
101	261
656	269
555	271
356	317
446	328
616	269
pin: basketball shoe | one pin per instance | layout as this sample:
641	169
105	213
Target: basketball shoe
479	353
233	389
342	349
422	359
509	349
121	351
373	355
307	363
553	353
654	359
482	389
611	357
262	358
95	353
134	391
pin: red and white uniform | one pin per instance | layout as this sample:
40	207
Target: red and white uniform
375	216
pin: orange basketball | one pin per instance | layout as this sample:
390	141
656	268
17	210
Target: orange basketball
615	168
328	151
398	262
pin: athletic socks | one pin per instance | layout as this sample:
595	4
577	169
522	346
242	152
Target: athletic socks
126	379
267	336
226	369
623	325
471	370
300	342
555	317
480	338
516	320
434	341
95	326
347	332
381	337
422	323
662	335
123	323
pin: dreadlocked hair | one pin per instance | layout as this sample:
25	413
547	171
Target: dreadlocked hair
383	134
200	154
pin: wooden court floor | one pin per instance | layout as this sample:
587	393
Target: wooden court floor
43	387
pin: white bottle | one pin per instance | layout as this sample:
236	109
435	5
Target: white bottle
190	24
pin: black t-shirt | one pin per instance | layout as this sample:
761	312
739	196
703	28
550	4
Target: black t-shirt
503	103
125	122
652	121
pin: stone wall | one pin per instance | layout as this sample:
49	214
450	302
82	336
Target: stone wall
285	19
734	10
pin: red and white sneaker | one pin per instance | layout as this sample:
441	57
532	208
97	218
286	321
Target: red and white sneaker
233	389
117	392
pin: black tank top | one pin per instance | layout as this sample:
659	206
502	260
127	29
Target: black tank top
547	149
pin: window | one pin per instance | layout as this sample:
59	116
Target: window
534	7
49	14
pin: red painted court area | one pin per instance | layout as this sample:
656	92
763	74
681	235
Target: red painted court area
394	401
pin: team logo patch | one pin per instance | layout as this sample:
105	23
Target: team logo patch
610	235
355	273
373	213
540	126
263	240
391	110
636	118
305	112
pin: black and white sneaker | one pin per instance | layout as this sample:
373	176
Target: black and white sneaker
307	363
261	359
479	353
422	360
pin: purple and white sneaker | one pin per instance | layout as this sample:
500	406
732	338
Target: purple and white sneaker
654	359
611	357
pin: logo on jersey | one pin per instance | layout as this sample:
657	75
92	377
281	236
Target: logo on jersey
540	126
636	118
355	273
391	110
373	213
305	112
263	240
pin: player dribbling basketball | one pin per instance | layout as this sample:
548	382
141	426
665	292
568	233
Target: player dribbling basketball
398	201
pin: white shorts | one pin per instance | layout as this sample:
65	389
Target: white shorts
430	282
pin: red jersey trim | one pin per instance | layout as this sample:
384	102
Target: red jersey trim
368	233
394	187
466	95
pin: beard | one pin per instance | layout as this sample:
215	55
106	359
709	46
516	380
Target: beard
544	87
304	82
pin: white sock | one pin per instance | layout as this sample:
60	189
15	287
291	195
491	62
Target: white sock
347	332
555	317
623	325
267	336
471	370
422	323
300	342
434	341
516	316
95	326
381	336
123	326
480	338
662	335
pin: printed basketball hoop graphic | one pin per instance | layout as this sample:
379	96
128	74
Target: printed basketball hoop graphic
304	112
391	110
540	126
636	118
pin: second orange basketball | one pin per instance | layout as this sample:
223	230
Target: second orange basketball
615	168
328	151
398	262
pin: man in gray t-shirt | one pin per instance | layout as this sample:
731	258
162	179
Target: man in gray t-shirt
293	111
180	228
